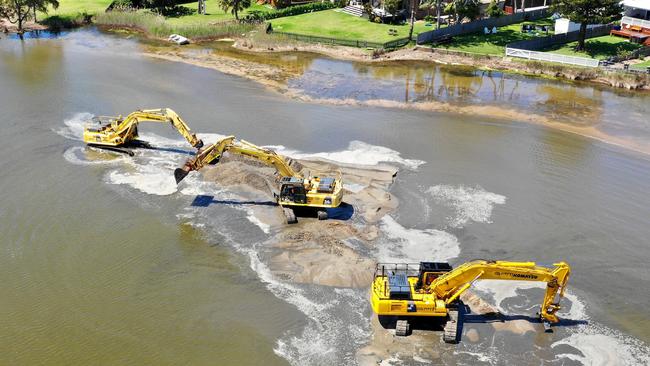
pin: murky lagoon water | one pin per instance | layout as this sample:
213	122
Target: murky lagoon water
104	260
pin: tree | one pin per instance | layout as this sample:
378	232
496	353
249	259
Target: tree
201	7
414	6
234	6
42	6
392	6
15	11
462	9
588	12
494	9
161	5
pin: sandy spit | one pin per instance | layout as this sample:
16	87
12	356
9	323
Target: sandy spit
274	79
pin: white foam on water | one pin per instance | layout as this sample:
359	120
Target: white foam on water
500	290
595	343
266	228
75	155
419	359
358	153
480	357
393	360
598	345
470	204
193	186
354	187
414	245
73	128
150	181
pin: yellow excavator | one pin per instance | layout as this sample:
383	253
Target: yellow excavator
112	133
294	191
432	289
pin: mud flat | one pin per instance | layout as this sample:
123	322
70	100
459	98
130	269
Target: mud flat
275	77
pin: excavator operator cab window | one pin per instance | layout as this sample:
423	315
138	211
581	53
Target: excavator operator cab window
429	277
429	271
293	193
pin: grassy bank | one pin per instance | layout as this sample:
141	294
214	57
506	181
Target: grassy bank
157	26
494	44
72	13
71	8
335	24
598	48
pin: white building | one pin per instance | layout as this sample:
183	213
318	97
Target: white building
639	9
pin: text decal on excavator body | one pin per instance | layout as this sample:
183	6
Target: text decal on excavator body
517	275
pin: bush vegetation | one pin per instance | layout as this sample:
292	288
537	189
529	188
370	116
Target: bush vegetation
290	11
156	25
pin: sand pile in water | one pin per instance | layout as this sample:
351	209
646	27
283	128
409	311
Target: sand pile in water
338	252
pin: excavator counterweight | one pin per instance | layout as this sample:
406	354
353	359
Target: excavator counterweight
115	132
294	190
433	289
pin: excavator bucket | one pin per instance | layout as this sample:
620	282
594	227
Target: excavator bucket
180	174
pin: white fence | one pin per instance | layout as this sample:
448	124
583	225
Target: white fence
551	57
635	21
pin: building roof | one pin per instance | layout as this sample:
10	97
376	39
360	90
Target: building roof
639	4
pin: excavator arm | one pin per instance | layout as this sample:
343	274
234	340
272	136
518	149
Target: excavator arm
451	285
124	130
212	153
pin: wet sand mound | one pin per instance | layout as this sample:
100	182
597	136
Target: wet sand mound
339	252
332	252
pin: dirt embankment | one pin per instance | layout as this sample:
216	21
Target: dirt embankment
419	53
28	26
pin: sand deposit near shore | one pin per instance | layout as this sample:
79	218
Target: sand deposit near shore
275	77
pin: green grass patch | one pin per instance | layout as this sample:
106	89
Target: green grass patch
158	26
598	48
335	24
72	8
495	44
213	13
643	64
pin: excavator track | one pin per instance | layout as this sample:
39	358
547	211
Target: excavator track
114	149
290	215
402	328
450	334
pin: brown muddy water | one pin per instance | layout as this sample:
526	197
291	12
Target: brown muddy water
103	260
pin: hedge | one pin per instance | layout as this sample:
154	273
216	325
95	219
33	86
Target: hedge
259	15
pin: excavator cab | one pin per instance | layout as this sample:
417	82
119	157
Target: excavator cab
429	271
292	190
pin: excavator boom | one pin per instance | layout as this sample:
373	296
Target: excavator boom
294	190
452	284
212	153
118	131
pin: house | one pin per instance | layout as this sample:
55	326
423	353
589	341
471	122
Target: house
515	6
635	23
637	9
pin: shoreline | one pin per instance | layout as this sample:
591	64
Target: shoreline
271	77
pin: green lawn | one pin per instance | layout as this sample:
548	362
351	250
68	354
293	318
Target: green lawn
645	63
70	8
213	13
597	48
494	44
335	24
